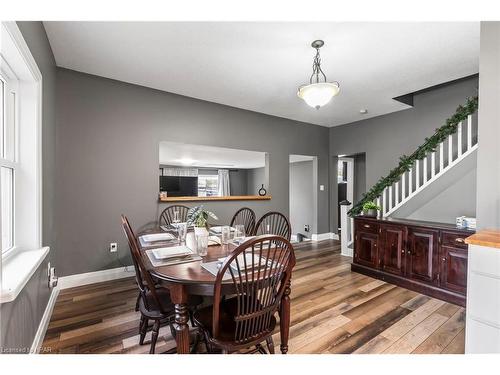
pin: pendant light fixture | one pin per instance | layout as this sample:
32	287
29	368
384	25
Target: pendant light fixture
318	92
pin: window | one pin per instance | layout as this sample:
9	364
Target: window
208	185
8	163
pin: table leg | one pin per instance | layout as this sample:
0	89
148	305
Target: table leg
179	298
285	318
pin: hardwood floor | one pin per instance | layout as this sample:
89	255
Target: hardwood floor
333	311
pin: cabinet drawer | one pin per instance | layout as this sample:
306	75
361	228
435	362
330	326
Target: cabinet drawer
366	226
454	239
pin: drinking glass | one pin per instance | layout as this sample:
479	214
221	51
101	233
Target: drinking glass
226	234
181	232
202	244
176	217
239	232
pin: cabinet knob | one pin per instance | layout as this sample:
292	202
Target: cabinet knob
366	226
403	251
408	252
444	259
460	240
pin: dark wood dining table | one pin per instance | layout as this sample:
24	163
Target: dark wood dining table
191	278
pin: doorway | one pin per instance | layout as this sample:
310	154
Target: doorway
303	197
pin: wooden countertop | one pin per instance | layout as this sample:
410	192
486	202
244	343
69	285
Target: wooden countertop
485	237
227	198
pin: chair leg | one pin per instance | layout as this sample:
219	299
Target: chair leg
143	327
154	336
270	344
137	302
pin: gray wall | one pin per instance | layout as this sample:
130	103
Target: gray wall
385	138
488	156
359	176
20	318
459	199
255	178
301	197
107	140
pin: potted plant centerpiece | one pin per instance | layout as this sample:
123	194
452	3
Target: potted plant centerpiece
198	217
370	209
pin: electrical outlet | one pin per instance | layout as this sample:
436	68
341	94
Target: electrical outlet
306	227
113	247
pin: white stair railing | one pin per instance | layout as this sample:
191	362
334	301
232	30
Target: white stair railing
419	176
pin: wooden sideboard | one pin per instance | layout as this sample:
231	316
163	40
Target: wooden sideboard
427	257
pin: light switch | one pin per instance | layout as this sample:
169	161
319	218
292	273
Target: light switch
321	187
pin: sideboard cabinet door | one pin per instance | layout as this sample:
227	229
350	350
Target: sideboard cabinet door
422	254
391	251
365	246
453	269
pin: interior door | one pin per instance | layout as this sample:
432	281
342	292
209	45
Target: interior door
365	249
422	254
392	252
453	269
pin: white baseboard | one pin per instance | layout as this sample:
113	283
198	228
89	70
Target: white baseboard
71	281
325	236
44	322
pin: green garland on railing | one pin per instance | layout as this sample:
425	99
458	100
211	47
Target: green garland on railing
406	162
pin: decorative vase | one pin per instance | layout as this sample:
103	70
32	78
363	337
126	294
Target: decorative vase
262	191
199	231
372	212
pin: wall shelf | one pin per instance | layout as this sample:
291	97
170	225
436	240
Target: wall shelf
208	199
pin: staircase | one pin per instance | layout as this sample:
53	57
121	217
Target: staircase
426	175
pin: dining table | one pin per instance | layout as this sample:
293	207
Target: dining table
190	278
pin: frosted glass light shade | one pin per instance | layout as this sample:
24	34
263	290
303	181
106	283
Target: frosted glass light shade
318	94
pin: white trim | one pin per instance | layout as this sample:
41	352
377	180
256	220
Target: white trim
72	281
44	322
324	236
18	270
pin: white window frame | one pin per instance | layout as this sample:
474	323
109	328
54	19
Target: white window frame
20	262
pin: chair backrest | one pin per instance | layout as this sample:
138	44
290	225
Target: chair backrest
142	275
260	270
274	223
246	217
167	216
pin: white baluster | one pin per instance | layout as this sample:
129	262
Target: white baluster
390	197
469	132
403	186
397	194
424	172
441	156
459	139
378	201
433	164
384	201
417	174
450	149
410	181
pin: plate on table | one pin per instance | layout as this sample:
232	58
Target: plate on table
157	237
172	252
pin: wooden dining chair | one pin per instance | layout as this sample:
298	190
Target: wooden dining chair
246	217
154	301
167	216
248	318
274	223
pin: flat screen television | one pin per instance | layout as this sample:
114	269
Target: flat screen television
179	186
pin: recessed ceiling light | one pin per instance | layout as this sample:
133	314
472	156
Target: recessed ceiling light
363	111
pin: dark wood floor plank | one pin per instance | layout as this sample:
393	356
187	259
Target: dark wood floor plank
333	311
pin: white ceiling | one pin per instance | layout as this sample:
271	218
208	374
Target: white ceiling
258	66
188	155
